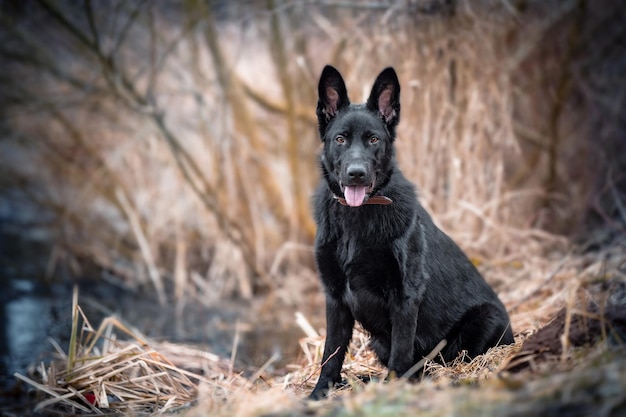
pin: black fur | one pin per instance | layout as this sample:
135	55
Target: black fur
388	266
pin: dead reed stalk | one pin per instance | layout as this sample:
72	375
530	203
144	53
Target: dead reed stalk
202	126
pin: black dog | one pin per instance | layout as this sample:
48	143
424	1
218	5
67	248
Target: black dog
381	259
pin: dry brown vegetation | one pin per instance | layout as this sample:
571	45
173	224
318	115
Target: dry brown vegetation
172	146
574	365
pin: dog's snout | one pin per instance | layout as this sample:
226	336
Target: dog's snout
356	172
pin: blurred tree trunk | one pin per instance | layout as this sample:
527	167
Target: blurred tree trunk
254	169
301	220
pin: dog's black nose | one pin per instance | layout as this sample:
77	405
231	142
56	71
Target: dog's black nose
356	171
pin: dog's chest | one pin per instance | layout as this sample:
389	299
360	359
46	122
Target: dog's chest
349	296
371	273
369	304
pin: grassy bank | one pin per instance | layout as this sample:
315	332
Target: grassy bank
568	360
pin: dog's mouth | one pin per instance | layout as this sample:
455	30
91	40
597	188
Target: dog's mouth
356	195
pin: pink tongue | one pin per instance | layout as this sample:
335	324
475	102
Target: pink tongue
354	195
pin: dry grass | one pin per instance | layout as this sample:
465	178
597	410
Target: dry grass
554	380
104	373
101	374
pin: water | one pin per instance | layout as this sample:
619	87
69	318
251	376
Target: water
27	316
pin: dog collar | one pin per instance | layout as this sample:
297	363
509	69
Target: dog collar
377	199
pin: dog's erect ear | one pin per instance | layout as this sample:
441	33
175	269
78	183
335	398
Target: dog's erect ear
385	98
332	96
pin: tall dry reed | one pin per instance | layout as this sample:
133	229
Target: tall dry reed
173	145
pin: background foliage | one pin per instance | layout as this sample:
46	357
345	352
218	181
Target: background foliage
172	144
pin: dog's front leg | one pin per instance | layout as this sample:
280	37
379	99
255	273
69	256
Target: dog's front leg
405	299
339	324
403	326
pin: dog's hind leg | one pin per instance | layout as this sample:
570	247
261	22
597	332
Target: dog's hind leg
481	327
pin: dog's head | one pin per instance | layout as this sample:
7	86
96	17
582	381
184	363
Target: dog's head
358	139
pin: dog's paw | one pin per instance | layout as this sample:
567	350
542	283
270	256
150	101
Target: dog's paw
318	393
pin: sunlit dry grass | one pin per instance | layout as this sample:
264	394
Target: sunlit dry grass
100	372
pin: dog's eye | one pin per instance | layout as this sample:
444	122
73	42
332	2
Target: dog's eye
340	139
373	140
